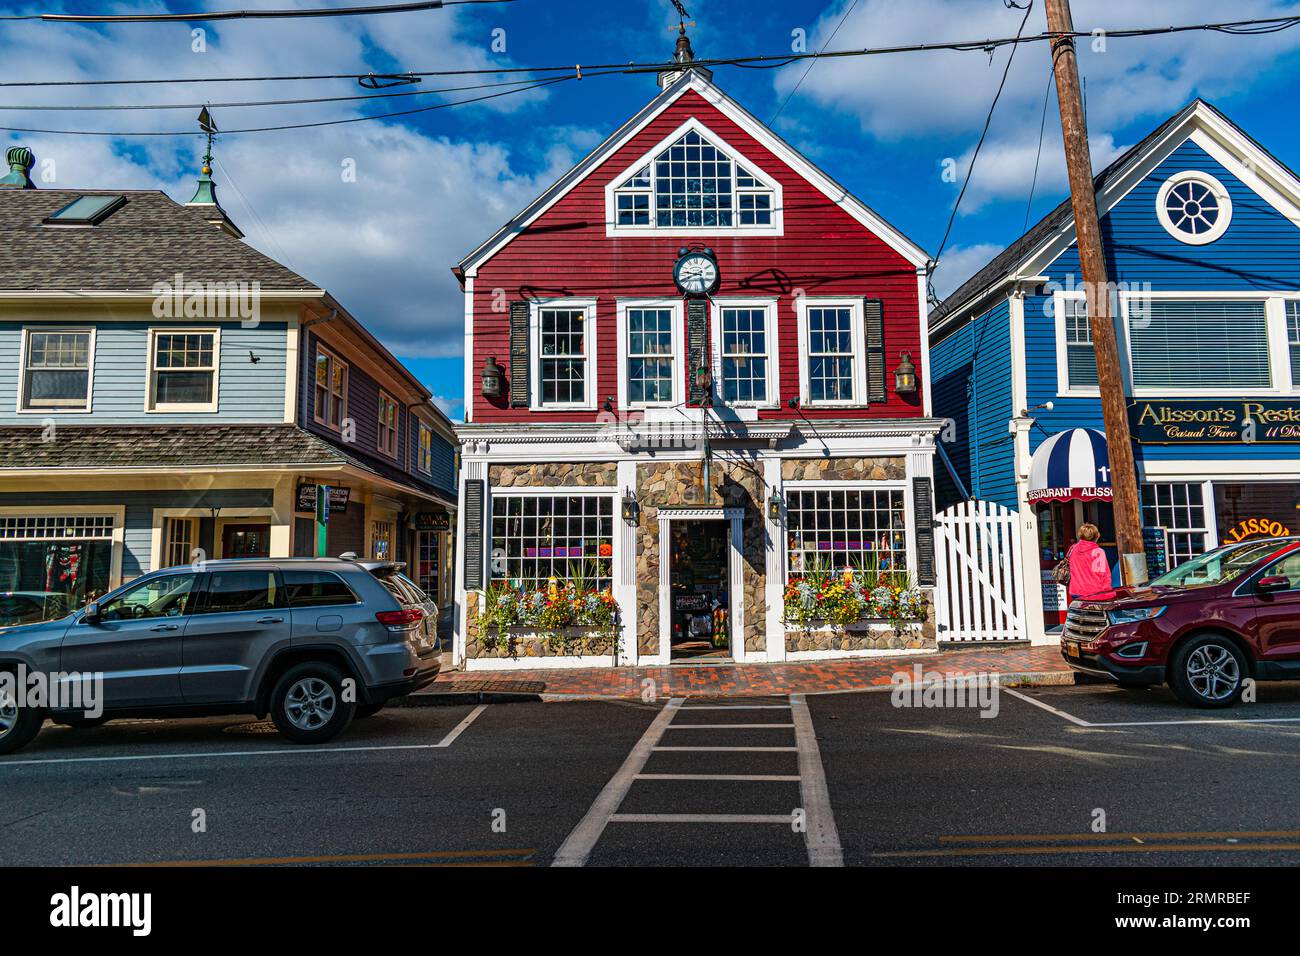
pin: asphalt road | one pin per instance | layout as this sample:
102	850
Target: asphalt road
778	781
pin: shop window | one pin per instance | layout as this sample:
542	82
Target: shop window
1293	340
180	538
52	564
183	371
1170	340
387	425
562	356
538	537
427	570
1178	508
841	529
744	338
1263	509
330	404
56	370
230	592
650	359
381	540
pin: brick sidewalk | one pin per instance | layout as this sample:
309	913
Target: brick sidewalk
1042	665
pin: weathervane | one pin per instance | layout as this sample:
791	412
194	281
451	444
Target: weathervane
209	126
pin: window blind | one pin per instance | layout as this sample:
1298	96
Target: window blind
1199	344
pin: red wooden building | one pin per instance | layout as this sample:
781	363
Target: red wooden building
696	370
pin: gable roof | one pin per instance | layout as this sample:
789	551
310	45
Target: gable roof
694	80
1113	179
148	240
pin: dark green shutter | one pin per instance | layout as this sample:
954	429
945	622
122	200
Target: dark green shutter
923	513
473	534
519	354
697	343
874	322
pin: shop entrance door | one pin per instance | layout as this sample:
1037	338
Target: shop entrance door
246	541
699	598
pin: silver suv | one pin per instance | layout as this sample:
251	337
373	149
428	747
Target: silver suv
313	642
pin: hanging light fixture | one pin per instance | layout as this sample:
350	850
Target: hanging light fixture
494	378
905	375
774	506
631	509
704	382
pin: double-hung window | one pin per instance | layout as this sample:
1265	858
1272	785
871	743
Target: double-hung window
650	332
564	348
183	370
1077	364
331	395
1198	345
1293	340
56	370
388	425
425	461
832	347
745	339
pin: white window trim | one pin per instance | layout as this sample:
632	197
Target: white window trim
612	228
347	376
152	406
22	373
679	349
423	428
1220	193
588	306
396	453
770	305
563	491
1064	387
1279	355
802	305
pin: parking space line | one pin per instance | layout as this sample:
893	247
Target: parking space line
761	750
740	777
1080	722
1092	848
577	847
455	858
821	835
701	818
737	707
460	728
731	726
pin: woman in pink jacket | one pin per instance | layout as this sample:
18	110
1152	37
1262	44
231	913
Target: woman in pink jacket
1089	569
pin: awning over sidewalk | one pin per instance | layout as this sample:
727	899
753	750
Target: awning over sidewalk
1071	466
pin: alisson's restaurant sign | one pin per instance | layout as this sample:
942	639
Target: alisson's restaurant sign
1247	420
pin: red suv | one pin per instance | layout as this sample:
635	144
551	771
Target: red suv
1204	628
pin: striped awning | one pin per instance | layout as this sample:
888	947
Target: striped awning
1071	466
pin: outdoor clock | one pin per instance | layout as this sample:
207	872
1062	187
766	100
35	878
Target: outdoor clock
696	271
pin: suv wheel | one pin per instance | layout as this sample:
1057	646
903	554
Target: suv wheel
307	704
1209	671
18	725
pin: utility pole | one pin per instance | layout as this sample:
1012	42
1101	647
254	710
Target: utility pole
1110	380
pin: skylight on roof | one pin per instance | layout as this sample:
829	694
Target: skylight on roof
86	211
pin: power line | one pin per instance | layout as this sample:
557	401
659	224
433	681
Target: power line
1042	126
768	61
812	63
988	120
243	14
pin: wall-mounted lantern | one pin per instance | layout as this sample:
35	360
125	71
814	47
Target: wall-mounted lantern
631	510
494	378
704	382
774	506
905	375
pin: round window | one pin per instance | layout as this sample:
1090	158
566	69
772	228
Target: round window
1194	207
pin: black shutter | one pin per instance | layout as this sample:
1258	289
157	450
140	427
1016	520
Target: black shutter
519	354
473	534
874	322
923	511
697	341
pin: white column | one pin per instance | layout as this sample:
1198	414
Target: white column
775	564
282	505
625	582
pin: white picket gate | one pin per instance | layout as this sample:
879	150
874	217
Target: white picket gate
980	592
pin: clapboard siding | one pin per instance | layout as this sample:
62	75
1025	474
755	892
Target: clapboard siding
1259	252
971	386
824	252
246	391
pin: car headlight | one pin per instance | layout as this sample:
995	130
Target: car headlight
1130	615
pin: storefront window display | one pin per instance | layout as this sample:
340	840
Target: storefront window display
50	565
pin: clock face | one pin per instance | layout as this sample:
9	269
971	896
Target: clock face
696	273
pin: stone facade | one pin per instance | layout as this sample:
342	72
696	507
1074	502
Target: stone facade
527	643
844	469
678	485
554	475
879	638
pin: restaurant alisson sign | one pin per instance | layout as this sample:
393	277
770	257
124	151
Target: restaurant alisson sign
1201	421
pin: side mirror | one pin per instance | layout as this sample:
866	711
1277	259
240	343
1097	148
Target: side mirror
91	614
1272	582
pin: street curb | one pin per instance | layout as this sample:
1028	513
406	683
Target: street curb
471	698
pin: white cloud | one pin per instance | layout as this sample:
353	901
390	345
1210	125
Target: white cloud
384	243
1006	169
959	263
948	93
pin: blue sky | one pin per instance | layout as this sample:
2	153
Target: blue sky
428	188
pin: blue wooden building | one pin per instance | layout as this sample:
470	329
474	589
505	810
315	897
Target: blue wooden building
1201	230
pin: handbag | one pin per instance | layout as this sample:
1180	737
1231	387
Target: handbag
1061	573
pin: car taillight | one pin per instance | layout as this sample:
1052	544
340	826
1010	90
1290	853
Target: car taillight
399	620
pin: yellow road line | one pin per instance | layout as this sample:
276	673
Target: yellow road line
451	855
